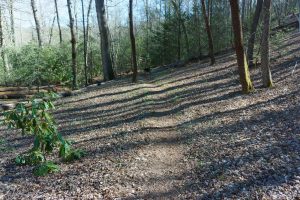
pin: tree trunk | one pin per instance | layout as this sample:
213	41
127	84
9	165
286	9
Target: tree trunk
198	27
105	48
12	21
2	48
265	58
243	10
299	14
181	21
76	19
238	40
51	30
84	44
58	22
147	26
133	47
37	23
209	35
178	38
254	25
74	48
87	40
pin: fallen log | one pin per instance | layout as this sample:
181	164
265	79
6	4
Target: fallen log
9	89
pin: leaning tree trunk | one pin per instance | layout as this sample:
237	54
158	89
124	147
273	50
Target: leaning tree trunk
74	48
238	40
265	57
209	35
133	47
254	25
37	22
58	22
105	47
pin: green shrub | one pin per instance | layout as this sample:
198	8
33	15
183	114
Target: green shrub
35	119
32	65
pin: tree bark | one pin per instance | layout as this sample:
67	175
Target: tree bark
147	26
105	47
12	21
198	25
2	48
238	40
178	38
254	25
181	21
37	22
133	47
58	22
74	45
84	44
87	40
265	58
243	10
51	30
209	34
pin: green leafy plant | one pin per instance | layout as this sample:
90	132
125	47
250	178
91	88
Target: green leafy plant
36	120
46	168
32	158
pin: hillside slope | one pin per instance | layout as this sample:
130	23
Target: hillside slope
180	133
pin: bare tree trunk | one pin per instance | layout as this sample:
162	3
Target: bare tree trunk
87	41
243	10
105	47
209	35
238	39
2	48
147	25
84	44
37	22
58	22
254	25
209	9
76	19
265	57
51	30
178	38
186	38
164	51
12	21
198	25
74	48
133	47
181	21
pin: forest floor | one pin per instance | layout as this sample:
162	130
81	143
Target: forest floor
180	133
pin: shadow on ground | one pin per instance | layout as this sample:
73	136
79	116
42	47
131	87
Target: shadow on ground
240	145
